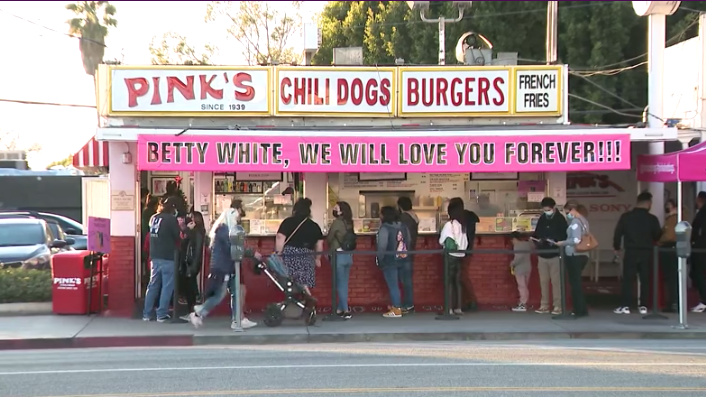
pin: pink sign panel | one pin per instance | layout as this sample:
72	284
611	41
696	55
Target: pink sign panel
384	154
686	165
98	234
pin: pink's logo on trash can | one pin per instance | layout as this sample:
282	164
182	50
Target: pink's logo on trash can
70	283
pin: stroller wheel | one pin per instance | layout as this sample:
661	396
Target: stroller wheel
310	320
273	315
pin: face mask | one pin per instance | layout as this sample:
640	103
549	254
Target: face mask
335	214
548	213
569	216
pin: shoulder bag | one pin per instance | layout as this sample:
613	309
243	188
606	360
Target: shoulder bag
588	241
275	260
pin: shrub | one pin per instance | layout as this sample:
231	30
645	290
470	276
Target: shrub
20	285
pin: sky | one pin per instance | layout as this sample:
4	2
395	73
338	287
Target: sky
42	64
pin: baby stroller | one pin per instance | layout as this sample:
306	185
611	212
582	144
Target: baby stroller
297	304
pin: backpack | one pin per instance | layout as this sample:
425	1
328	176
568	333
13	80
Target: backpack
399	245
349	242
236	236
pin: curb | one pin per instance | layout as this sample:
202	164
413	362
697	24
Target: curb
25	309
245	339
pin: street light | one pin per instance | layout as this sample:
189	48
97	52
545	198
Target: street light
423	7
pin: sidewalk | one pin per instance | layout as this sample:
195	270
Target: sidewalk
38	332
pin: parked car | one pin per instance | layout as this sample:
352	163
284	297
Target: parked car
69	226
28	243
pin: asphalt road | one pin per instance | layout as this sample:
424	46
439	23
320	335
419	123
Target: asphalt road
492	369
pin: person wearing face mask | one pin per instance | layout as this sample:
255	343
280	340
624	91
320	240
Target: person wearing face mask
575	261
341	229
668	257
638	230
698	259
551	226
164	240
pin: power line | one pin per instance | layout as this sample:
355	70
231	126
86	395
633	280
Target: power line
69	105
52	30
600	105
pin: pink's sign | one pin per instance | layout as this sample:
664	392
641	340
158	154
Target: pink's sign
384	154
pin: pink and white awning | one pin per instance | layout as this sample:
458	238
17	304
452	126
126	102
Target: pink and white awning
92	154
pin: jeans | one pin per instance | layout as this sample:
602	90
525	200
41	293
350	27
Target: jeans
670	268
219	292
636	263
407	285
454	286
574	268
392	274
162	277
344	262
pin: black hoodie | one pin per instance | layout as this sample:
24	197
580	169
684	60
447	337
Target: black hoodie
550	228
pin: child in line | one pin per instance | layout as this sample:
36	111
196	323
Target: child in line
521	267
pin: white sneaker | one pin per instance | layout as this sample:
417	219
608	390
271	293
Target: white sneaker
622	310
642	309
197	308
520	308
195	320
700	308
245	323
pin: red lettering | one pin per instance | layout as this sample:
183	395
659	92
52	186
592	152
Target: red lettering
136	87
357	97
283	94
156	95
469	90
244	92
413	92
456	96
385	94
207	90
299	91
501	95
342	90
483	86
441	87
185	89
427	97
371	92
609	208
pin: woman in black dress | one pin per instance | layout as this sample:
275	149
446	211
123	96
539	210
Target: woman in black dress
298	238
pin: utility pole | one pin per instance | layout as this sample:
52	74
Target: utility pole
552	29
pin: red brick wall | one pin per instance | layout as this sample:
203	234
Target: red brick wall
121	276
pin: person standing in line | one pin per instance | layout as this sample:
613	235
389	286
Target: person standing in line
551	226
226	238
521	266
698	259
410	219
470	301
668	257
164	241
193	259
392	242
637	231
341	227
453	237
575	261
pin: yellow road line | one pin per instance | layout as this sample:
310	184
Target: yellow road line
399	390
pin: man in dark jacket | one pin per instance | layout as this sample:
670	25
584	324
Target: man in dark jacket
164	242
638	231
551	226
698	259
410	219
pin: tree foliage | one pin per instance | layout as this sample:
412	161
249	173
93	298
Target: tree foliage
11	140
91	25
66	162
602	41
173	49
263	29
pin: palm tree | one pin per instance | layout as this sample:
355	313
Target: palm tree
91	30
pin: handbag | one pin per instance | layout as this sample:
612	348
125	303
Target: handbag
588	241
275	260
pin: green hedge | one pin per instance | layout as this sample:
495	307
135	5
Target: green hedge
18	285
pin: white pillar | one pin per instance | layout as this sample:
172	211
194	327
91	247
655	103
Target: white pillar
556	187
203	196
316	190
123	177
656	43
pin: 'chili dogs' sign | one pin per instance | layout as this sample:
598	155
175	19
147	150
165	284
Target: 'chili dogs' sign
439	91
454	154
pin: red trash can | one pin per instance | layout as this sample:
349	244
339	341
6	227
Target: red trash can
72	283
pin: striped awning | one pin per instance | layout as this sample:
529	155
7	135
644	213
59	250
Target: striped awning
92	154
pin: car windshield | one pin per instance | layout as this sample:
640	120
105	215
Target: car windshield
21	234
56	231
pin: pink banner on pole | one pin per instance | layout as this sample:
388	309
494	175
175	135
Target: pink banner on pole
688	165
384	154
